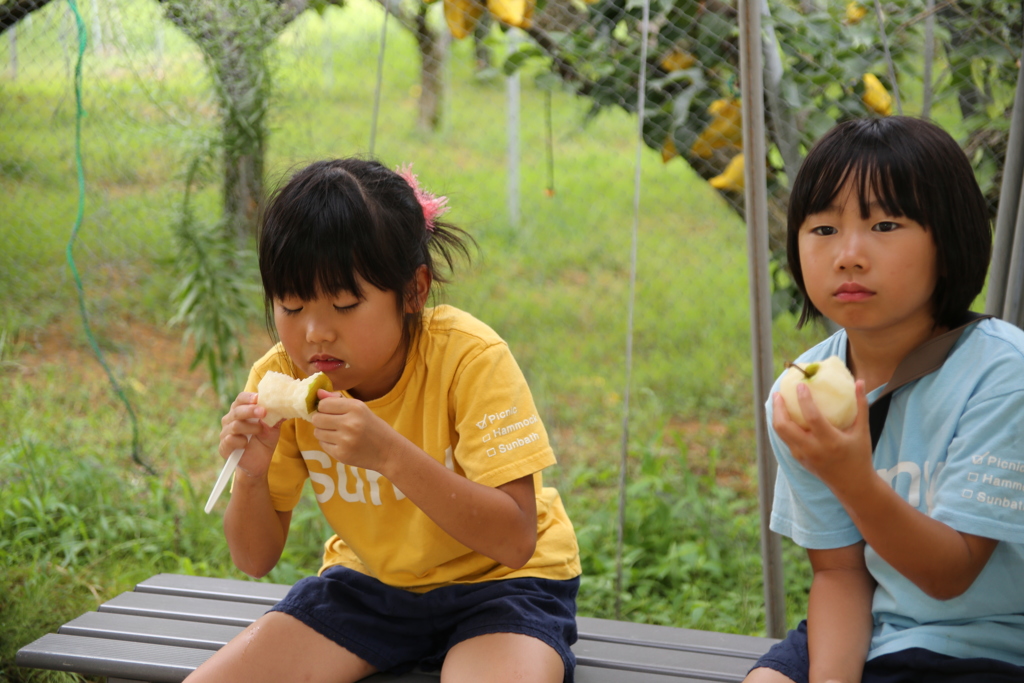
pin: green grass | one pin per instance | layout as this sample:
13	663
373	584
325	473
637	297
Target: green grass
556	287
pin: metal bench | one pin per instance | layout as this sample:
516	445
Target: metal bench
172	623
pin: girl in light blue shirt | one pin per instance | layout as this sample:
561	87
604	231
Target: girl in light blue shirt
917	544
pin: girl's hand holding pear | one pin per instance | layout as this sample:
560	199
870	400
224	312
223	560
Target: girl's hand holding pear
260	414
838	455
243	428
352	434
831	385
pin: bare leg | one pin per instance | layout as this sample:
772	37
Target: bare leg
503	658
279	647
764	675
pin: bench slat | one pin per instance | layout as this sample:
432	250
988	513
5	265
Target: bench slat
673	638
585	673
588	674
151	630
115	658
189	609
212	588
643	659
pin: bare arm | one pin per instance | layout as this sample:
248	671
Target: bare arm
938	559
500	523
255	531
839	618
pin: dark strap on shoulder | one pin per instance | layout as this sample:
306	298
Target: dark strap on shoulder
924	360
877	413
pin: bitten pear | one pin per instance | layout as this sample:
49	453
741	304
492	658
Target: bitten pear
285	397
832	388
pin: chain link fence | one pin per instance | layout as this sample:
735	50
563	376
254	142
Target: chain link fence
526	117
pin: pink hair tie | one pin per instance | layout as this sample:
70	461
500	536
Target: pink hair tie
433	205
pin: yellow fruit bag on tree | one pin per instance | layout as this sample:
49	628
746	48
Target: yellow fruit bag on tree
462	16
516	13
726	128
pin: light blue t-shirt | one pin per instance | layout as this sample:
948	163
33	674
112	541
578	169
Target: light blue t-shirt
953	448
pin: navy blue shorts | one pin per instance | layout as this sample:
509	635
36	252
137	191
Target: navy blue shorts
789	657
397	630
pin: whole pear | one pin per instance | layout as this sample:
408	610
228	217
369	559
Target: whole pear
832	388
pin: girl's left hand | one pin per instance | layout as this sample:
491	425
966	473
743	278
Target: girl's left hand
351	433
839	457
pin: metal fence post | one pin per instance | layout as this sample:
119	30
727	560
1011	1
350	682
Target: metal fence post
512	89
756	208
1005	273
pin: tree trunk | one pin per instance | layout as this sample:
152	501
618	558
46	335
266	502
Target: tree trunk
233	36
480	48
432	55
243	187
243	93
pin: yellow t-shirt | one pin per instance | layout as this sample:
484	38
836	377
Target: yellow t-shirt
461	398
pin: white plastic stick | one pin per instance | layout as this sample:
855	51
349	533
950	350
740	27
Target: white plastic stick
222	479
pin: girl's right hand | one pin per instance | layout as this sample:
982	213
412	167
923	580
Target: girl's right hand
243	428
841	458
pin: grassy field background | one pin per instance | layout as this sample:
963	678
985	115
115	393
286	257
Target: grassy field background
81	521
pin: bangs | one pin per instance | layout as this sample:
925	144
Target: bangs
876	174
305	249
306	266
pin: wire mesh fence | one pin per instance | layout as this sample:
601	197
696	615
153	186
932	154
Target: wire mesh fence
525	115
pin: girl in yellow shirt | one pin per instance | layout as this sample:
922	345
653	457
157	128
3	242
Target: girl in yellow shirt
448	551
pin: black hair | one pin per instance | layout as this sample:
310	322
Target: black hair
336	218
912	168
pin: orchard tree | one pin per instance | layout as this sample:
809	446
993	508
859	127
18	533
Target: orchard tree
213	299
431	47
823	63
233	37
